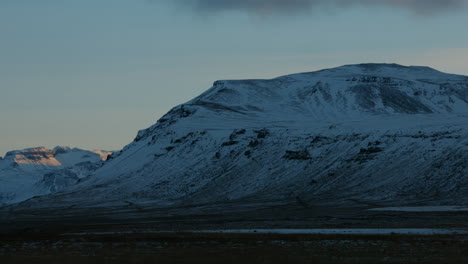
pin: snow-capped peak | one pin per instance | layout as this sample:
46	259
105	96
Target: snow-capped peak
60	156
38	171
33	156
350	92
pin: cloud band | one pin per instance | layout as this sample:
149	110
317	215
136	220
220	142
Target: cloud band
291	6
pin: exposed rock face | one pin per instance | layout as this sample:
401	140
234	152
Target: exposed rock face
34	156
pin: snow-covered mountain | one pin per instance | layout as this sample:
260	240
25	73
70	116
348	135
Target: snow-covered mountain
357	134
39	171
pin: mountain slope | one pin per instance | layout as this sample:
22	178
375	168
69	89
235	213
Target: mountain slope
369	133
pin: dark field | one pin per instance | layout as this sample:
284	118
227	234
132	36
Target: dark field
40	237
232	248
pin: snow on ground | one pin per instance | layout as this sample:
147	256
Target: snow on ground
423	209
390	231
363	231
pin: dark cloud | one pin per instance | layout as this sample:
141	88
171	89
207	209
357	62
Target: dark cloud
292	6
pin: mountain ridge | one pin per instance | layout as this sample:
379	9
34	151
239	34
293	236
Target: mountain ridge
368	133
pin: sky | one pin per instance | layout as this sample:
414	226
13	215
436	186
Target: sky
91	73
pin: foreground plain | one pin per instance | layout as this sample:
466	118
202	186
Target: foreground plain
137	238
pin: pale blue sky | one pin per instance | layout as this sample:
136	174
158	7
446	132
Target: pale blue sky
91	73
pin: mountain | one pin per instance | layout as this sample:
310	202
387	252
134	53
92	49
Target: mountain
354	135
39	171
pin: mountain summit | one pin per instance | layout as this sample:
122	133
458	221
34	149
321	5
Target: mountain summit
353	135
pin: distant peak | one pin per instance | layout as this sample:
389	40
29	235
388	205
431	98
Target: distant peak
28	150
62	149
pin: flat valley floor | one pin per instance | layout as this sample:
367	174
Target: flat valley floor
193	235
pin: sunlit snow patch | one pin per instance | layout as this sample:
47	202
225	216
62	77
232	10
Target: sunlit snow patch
363	231
373	231
424	209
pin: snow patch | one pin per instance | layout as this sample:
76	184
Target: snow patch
423	209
